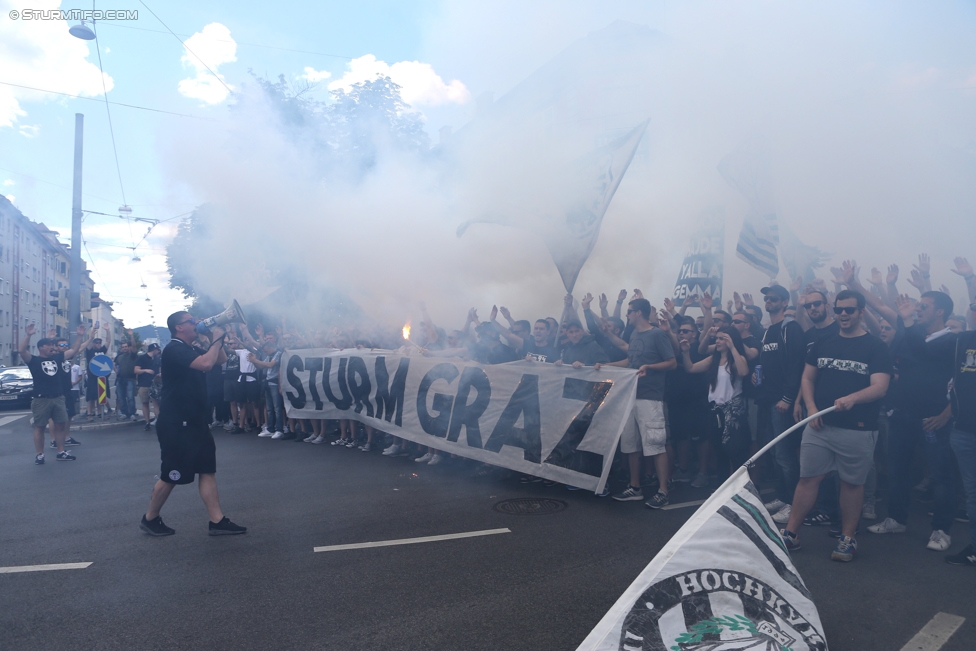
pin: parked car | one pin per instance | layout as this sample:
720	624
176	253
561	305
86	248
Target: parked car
16	387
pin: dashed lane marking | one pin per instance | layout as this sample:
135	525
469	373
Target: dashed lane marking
14	569
6	420
935	634
411	541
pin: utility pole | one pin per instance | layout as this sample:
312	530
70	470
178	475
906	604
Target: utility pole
74	276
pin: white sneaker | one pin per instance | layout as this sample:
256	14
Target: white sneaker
368	447
783	515
889	525
134	418
424	459
265	434
434	460
276	436
228	427
318	439
310	438
264	428
939	541
774	506
392	450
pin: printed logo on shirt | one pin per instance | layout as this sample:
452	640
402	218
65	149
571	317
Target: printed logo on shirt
842	365
969	365
66	366
770	347
175	475
537	357
49	367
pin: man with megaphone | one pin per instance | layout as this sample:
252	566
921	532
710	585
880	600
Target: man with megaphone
183	426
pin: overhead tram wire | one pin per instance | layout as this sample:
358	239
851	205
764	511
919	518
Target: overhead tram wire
111	129
221	40
229	90
95	99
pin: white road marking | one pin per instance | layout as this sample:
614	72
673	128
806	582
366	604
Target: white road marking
410	541
6	420
682	505
935	634
43	568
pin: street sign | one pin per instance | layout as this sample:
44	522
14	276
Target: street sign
102	391
100	365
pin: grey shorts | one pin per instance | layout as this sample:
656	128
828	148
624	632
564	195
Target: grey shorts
44	409
848	451
645	430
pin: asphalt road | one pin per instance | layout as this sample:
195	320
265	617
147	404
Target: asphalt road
544	585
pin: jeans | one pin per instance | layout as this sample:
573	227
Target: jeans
964	445
125	401
785	453
904	434
275	407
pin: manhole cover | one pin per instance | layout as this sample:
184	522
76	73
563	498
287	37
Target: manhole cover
529	506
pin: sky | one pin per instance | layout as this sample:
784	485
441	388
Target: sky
867	107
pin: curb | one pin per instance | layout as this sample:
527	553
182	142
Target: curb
87	427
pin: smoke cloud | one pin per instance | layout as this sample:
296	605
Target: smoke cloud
866	109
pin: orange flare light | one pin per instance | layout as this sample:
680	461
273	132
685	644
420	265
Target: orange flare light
406	332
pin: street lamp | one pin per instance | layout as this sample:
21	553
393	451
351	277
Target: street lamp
82	31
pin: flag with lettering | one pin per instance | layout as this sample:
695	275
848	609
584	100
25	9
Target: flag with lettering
702	268
724	581
747	169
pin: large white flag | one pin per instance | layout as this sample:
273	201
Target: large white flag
724	581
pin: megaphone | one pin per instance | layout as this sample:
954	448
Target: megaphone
233	314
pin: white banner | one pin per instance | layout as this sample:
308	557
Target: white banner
724	581
555	422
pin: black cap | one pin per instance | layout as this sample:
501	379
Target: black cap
152	347
778	291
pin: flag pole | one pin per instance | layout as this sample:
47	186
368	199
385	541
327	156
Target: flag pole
752	460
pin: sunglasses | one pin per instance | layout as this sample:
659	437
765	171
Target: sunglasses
62	345
812	304
685	331
771	299
739	321
845	310
190	320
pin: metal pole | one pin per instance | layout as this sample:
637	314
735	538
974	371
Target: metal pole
74	276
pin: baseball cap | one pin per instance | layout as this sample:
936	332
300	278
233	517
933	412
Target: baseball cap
776	290
152	347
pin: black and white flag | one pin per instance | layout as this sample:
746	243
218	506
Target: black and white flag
702	268
724	582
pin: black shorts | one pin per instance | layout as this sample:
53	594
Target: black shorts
185	450
247	392
71	403
230	388
690	422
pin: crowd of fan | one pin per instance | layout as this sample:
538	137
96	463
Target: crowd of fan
712	389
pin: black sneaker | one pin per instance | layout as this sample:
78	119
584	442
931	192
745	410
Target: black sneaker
39	460
155	527
54	446
226	528
966	557
65	456
659	500
148	427
71	442
237	430
819	519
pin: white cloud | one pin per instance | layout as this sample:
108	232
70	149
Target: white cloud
107	50
214	45
312	75
9	183
29	130
42	54
11	198
420	85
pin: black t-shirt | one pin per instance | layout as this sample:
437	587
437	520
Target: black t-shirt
813	334
144	361
923	369
48	375
495	354
964	383
684	388
184	393
782	355
844	366
748	388
89	353
543	353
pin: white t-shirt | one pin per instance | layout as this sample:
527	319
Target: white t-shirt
76	373
246	366
724	389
